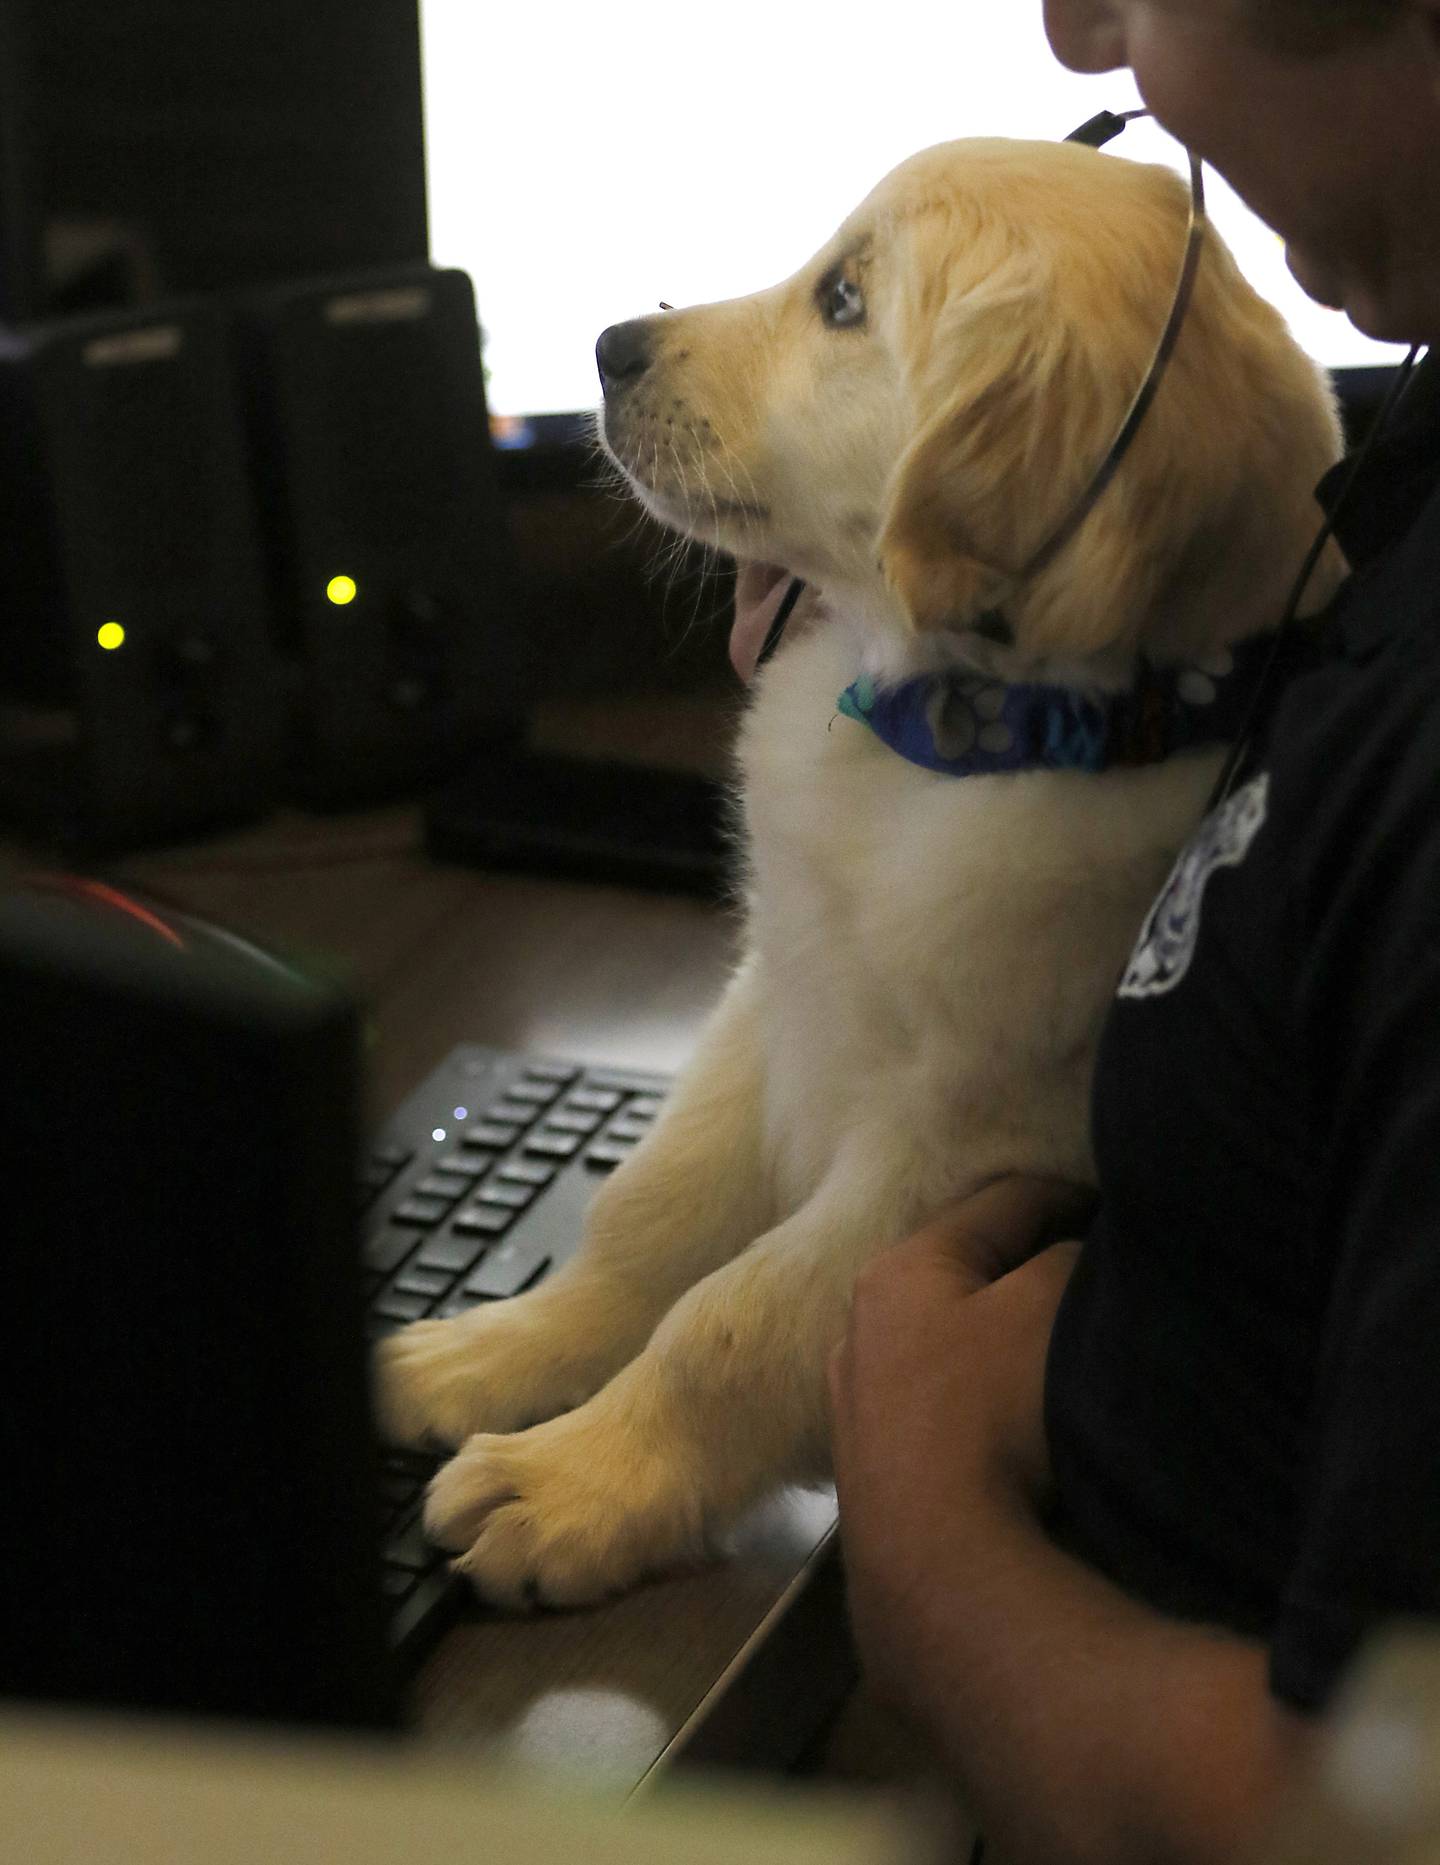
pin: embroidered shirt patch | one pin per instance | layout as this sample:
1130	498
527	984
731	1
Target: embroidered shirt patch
1167	939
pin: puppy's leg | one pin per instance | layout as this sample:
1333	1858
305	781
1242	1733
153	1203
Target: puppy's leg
692	1194
727	1401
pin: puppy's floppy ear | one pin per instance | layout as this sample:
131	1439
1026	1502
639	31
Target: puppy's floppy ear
931	549
1000	395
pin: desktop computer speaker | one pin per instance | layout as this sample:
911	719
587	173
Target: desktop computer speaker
139	694
390	572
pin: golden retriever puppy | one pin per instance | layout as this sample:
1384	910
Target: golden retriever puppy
929	947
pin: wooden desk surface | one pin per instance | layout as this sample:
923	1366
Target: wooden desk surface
743	1662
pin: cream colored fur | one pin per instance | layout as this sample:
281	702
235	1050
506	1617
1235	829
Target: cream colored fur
927	960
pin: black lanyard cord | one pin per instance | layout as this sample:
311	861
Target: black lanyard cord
1264	682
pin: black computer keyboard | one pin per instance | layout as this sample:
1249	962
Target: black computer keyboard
472	1192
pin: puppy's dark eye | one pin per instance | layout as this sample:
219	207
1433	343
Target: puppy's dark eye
842	303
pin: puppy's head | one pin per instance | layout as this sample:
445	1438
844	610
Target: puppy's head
907	419
766	425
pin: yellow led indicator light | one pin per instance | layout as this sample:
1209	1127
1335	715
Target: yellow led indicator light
111	635
340	590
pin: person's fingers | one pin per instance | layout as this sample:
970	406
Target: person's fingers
835	1372
991	1231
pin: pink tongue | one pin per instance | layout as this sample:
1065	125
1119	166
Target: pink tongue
759	591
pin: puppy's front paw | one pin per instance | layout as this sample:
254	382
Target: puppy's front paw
439	1382
565	1513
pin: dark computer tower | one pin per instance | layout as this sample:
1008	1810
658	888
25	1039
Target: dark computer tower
390	576
140	695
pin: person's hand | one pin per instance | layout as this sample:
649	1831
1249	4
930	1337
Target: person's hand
937	1389
1076	1720
948	1331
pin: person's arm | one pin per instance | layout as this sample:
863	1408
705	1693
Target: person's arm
1080	1725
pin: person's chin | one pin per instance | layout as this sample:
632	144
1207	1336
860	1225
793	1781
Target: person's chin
1315	280
1374	310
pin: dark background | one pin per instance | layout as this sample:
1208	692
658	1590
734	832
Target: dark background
152	149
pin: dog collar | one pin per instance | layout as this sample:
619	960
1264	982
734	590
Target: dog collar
966	725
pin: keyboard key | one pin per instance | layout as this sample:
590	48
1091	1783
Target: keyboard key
393	1307
392	1154
602	1100
427	1282
646	1107
421	1211
441	1185
533	1093
467	1165
628	1081
508	1270
573	1120
387	1249
449	1252
419	1466
605	1155
553	1145
491	1135
509	1113
527	1171
514	1197
410	1548
551	1071
397	1491
483	1221
627	1129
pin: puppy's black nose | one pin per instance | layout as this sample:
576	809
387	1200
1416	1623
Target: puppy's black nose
623	352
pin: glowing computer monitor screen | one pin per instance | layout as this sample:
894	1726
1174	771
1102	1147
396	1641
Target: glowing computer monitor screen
586	163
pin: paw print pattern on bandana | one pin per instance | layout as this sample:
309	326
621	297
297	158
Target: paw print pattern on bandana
964	716
966	725
1198	684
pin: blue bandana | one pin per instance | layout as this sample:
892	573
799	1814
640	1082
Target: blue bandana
968	725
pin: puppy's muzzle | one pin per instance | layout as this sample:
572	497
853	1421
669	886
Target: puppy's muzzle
624	353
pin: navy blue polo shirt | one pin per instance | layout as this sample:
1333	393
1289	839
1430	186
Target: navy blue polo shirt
1243	1390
